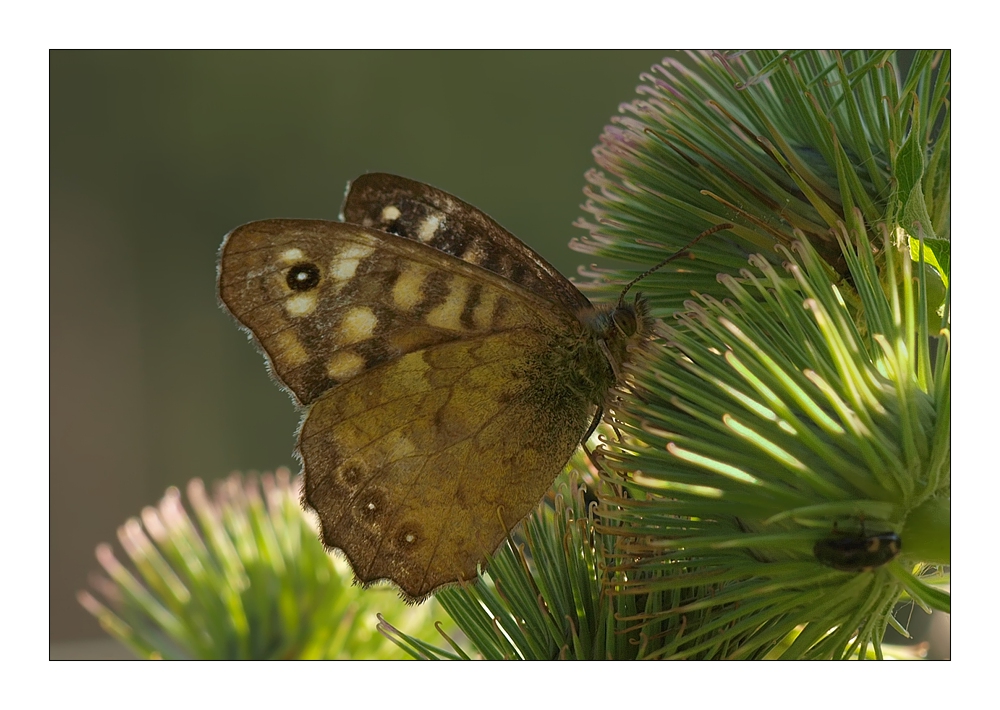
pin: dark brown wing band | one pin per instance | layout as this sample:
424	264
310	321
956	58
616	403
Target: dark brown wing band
425	214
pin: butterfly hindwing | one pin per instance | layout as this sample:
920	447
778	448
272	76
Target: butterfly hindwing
417	469
430	216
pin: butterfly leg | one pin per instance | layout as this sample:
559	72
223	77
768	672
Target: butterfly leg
611	360
593	425
586	437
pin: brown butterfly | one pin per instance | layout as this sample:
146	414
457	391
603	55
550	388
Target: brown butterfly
446	370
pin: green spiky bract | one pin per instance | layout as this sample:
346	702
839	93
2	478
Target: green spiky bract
798	389
249	580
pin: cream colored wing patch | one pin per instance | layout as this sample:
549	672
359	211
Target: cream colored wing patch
327	301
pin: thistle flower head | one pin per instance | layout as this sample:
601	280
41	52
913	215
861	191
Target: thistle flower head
777	479
246	578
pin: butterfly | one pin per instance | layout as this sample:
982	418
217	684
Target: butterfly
446	371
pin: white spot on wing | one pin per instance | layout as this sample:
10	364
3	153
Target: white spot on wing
287	344
428	227
390	213
300	304
357	325
448	315
290	255
474	254
344	365
346	262
406	292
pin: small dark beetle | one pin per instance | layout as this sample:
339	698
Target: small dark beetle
852	552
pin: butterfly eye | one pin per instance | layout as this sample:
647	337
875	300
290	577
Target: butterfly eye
303	277
624	320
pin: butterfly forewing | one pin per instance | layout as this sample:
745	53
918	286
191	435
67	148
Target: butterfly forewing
327	301
430	216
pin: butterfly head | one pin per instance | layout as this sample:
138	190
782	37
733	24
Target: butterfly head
626	322
617	327
623	322
631	319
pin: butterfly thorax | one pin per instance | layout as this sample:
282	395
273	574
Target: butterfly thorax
608	333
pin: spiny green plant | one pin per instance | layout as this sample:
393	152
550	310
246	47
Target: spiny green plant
789	428
249	580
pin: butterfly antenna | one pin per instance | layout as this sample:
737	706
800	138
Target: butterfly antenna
680	252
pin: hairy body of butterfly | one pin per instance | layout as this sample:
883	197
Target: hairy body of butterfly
447	372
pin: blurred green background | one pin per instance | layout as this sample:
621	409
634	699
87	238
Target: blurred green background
154	156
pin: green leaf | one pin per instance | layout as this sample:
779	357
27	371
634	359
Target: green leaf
909	170
937	253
